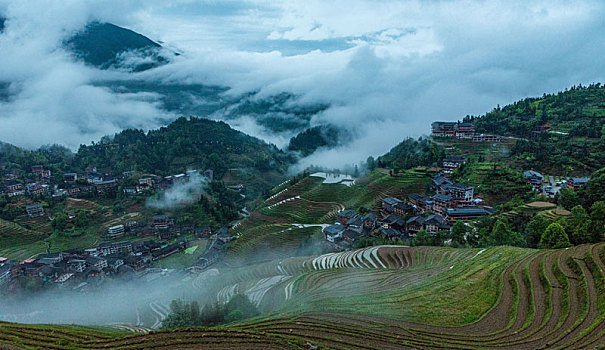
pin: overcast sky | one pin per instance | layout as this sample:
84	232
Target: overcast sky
387	68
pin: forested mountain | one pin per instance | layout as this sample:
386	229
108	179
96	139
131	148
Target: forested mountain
411	152
194	143
2	20
313	138
103	44
579	111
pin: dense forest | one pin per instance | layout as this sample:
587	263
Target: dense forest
313	138
410	153
185	143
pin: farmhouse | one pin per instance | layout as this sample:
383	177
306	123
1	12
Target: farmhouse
389	233
369	221
346	215
451	163
355	224
34	189
13	188
534	178
34	210
461	193
96	262
420	202
116	231
403	209
440	180
105	186
444	129
465	130
77	265
146	181
389	203
161	222
486	138
350	235
577	182
466	213
393	221
442	202
333	233
70	177
432	224
115	248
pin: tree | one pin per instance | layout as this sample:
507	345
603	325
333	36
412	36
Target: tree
597	222
371	163
438	239
568	198
459	232
534	230
554	237
577	226
501	234
422	239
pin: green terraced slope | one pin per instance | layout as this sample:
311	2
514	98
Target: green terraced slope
389	297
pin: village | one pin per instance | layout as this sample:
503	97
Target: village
402	218
85	269
130	248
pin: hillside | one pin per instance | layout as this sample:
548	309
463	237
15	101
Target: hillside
289	221
411	153
313	138
101	44
193	143
184	143
377	298
561	133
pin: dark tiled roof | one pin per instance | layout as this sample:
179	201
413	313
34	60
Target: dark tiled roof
391	200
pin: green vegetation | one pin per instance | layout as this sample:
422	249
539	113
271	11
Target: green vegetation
422	297
411	153
554	237
313	138
183	314
185	258
185	143
571	122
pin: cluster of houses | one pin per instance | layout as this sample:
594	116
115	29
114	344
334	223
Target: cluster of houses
74	267
38	182
158	182
461	131
399	219
162	226
542	184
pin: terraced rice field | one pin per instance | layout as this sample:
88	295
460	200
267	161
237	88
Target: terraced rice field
390	297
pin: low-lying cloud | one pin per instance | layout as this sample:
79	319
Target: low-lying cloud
180	194
386	69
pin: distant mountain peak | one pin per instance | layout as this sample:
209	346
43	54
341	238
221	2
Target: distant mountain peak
105	45
2	20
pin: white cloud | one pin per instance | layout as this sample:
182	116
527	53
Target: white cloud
387	68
